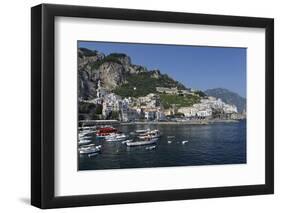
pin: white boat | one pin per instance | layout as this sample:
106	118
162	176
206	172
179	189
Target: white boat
84	133
86	146
169	142
127	141
184	142
115	137
150	134
141	143
92	154
85	137
90	150
87	128
81	142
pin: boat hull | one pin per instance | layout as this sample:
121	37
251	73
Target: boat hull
90	150
141	143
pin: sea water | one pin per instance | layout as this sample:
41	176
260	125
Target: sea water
179	145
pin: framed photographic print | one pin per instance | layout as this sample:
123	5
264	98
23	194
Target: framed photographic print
139	106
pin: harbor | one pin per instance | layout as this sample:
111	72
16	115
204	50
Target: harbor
154	145
135	115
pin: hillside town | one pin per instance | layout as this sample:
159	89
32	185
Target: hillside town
131	116
149	107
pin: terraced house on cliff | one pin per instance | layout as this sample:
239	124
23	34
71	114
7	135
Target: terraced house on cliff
172	90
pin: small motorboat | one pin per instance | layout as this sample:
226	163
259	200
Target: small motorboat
83	142
90	149
87	146
92	154
150	134
87	128
141	143
86	137
83	134
184	142
127	141
169	142
115	137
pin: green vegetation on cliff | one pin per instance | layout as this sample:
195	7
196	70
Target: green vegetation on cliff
144	83
168	101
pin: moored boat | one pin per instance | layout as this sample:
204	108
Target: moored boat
184	142
84	133
92	154
127	141
105	131
82	142
87	128
150	134
141	143
115	137
87	146
90	149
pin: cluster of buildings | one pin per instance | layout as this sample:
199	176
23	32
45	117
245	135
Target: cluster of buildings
174	91
149	107
131	109
208	108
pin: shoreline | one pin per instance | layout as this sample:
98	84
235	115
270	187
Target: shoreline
192	122
188	122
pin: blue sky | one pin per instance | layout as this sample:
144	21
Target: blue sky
197	67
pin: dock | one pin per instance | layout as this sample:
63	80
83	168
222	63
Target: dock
82	123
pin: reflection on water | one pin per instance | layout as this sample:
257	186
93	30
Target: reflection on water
179	145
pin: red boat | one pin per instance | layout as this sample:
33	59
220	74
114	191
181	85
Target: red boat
105	131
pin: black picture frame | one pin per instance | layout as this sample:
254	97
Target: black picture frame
43	102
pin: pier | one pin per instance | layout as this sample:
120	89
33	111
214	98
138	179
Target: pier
97	122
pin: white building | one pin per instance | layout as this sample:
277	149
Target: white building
129	114
172	90
204	113
149	115
205	108
188	111
111	102
212	102
160	115
230	108
101	92
150	101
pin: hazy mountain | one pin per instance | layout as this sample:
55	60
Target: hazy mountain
228	97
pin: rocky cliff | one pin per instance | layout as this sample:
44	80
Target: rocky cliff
117	73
